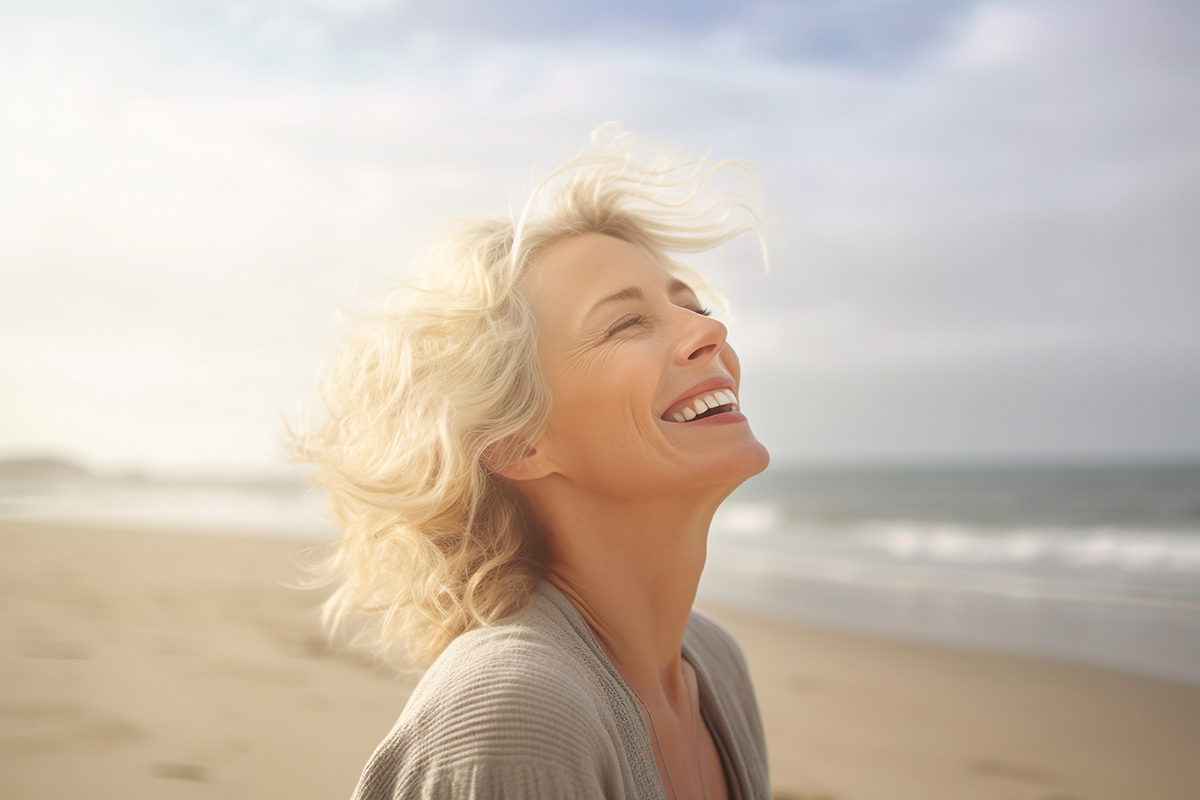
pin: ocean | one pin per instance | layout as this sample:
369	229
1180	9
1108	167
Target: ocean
1098	565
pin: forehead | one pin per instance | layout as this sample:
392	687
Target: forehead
581	269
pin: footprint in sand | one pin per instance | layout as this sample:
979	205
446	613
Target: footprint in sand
804	684
179	772
113	731
1025	773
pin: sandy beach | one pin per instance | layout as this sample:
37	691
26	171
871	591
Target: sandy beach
160	665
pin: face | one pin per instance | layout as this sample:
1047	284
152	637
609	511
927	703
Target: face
634	363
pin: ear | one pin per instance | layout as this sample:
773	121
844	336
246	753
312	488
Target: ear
529	463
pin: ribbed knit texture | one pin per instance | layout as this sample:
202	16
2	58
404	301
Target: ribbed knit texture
532	708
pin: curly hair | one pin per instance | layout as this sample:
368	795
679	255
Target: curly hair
430	395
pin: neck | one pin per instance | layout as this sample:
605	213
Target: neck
631	570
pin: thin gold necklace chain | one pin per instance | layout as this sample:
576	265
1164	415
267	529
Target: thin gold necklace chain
695	743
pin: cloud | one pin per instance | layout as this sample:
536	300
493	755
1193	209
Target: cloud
998	35
961	191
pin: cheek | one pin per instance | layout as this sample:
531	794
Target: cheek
583	410
604	410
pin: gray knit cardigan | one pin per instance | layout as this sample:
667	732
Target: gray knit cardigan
532	708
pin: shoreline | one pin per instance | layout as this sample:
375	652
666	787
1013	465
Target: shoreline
142	664
1160	641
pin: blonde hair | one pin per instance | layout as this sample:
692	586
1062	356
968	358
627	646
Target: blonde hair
429	395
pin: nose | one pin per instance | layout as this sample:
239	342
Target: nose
703	338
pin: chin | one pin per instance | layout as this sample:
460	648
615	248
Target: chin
754	459
748	459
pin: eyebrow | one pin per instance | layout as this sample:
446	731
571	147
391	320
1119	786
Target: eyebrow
636	293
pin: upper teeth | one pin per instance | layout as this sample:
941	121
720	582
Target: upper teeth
701	403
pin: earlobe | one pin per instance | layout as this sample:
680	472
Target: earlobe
529	464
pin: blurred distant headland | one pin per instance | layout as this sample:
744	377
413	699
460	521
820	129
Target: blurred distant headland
41	469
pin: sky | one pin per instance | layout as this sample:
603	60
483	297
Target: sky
983	215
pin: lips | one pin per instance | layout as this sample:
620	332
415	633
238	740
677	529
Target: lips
705	400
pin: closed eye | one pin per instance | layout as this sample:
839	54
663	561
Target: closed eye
637	319
631	320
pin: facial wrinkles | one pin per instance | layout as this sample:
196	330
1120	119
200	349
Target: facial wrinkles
621	362
591	349
573	363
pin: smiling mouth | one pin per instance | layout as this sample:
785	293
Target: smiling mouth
708	404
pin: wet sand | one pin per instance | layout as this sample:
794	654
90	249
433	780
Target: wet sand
143	665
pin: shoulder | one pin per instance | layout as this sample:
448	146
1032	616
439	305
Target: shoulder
505	678
501	706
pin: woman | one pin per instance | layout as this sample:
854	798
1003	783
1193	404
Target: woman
525	456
